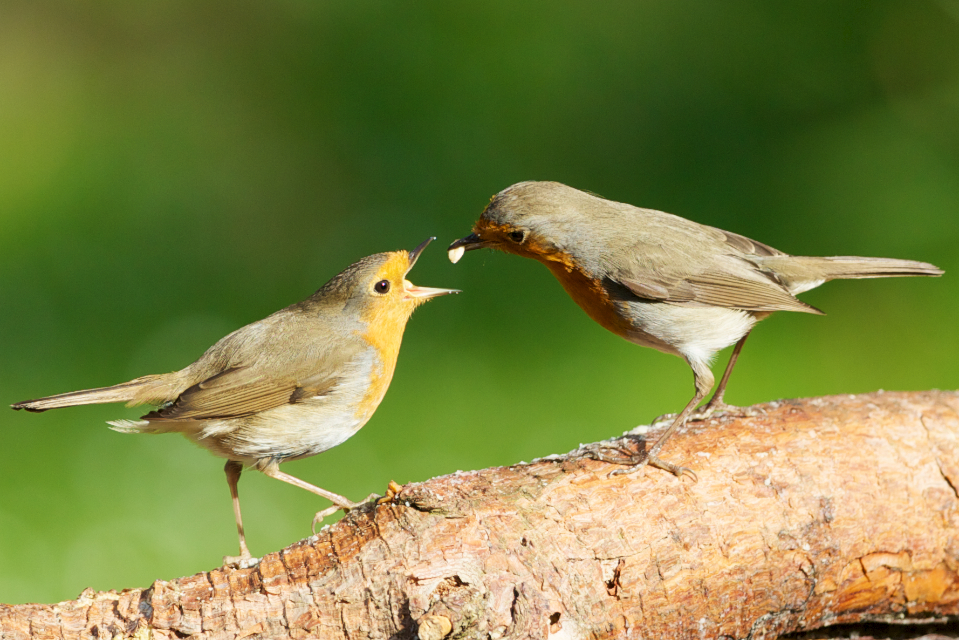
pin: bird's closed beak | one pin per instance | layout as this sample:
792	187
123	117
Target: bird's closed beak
461	246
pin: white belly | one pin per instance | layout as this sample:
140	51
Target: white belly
289	431
696	333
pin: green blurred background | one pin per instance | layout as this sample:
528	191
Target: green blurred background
171	171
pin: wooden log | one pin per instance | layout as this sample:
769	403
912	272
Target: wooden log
807	513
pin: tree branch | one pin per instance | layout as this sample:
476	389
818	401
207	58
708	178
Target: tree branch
808	513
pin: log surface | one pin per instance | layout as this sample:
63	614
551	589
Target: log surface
807	513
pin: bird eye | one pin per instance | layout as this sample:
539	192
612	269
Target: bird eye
517	236
382	286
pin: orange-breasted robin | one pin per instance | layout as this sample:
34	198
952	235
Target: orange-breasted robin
292	385
659	280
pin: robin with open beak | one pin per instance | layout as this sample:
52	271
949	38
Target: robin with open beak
659	280
292	385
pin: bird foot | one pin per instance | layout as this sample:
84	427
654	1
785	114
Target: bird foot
659	463
345	507
599	452
722	408
666	417
634	461
242	561
707	411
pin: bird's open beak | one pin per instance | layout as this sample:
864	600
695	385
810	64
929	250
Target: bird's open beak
461	246
422	293
415	253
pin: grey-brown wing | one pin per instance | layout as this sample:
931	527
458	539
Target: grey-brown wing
708	266
666	258
718	289
241	391
747	246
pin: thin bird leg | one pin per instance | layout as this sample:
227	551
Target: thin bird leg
273	471
652	460
233	470
339	502
678	422
703	379
716	402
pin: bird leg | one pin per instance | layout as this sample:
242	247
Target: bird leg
233	470
715	403
339	502
635	460
703	379
322	515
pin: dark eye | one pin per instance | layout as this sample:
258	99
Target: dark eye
382	286
517	236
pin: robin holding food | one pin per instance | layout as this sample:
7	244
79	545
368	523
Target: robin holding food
292	385
659	280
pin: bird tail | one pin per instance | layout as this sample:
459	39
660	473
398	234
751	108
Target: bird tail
148	389
804	272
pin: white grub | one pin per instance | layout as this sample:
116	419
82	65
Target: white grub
456	254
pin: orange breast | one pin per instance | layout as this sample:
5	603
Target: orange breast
385	326
589	294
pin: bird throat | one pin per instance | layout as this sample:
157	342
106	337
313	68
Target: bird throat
384	334
385	321
588	292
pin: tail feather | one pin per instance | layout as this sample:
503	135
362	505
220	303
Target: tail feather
801	270
148	389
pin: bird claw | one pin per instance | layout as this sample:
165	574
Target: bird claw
634	461
714	408
242	561
707	411
322	515
666	417
346	508
728	410
596	452
653	461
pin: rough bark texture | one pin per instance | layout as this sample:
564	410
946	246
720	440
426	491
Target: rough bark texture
824	511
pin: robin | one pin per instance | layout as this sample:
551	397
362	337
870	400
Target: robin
292	385
659	280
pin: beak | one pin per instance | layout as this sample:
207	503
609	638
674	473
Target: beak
415	253
461	246
422	293
425	293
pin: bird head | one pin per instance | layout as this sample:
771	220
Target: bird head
375	290
539	220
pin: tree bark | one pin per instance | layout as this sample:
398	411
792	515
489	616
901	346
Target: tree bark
807	513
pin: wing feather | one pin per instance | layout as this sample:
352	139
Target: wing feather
238	392
750	291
